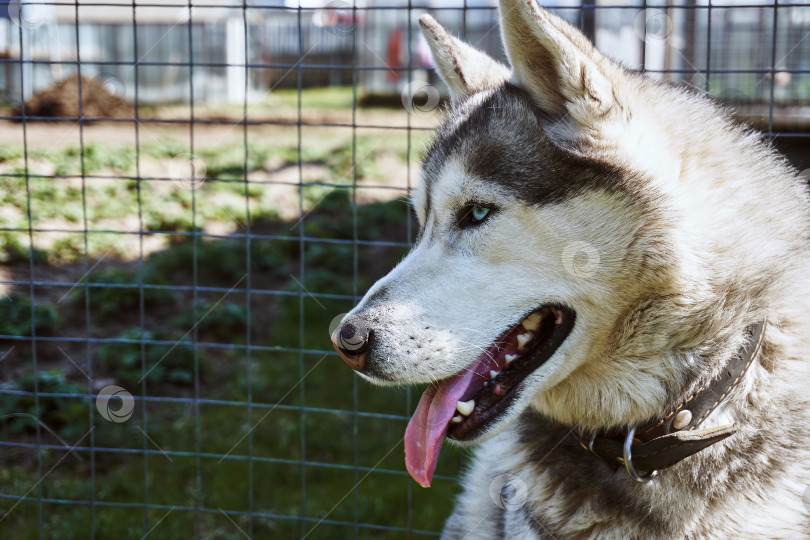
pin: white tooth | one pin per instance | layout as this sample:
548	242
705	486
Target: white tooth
493	373
465	407
510	358
523	339
532	322
456	419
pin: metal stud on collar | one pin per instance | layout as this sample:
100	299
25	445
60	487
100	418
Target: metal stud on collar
628	460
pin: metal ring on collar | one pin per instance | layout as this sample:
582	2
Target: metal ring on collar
628	459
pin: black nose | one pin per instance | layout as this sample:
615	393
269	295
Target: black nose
351	341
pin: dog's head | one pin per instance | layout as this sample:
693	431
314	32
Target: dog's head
552	268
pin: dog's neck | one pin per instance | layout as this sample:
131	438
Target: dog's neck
677	433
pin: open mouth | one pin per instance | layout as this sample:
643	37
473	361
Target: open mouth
463	406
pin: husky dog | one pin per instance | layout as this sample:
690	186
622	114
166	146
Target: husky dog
610	292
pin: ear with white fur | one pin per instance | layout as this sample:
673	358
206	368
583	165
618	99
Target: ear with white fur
556	63
466	70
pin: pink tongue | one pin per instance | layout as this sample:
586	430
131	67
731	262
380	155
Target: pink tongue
425	432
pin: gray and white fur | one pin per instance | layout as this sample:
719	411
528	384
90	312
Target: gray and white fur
669	230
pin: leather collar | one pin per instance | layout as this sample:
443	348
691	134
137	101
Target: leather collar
664	441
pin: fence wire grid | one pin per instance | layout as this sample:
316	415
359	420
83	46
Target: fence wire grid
191	194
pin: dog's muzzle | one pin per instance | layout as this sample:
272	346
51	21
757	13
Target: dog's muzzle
351	341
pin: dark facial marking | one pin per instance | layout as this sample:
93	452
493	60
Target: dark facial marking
502	140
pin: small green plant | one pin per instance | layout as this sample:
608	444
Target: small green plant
12	249
223	321
121	292
10	152
163	362
230	161
165	147
358	158
95	156
67	415
225	259
16	316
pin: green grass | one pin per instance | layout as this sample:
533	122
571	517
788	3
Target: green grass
193	345
66	415
333	97
19	318
170	363
120	291
123	203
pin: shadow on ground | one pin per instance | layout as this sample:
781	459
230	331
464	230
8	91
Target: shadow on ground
221	341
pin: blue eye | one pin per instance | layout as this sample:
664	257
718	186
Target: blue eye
475	214
479	212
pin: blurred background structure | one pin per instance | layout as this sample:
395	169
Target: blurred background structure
683	41
192	193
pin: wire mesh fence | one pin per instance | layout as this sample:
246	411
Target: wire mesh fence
190	196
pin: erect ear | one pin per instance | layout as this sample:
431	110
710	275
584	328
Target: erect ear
556	64
465	70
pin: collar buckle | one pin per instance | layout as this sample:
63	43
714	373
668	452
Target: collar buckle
627	458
